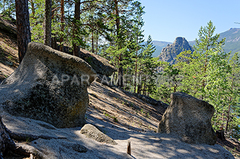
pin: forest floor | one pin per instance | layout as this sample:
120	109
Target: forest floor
109	104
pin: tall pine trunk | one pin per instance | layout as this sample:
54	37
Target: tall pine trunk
23	27
76	18
92	42
136	68
62	25
229	106
97	43
120	69
47	22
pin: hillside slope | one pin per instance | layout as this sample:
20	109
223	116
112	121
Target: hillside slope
232	42
123	108
8	48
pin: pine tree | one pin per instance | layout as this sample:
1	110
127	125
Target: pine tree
122	17
23	27
8	8
47	22
194	65
148	67
168	81
76	19
62	25
207	74
36	20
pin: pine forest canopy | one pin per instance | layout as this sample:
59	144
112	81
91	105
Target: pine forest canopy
114	29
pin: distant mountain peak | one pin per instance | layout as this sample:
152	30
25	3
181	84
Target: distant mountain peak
232	43
180	40
170	52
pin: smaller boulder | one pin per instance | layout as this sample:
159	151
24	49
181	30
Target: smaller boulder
189	118
92	132
98	63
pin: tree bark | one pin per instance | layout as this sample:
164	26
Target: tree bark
62	25
23	27
76	18
92	42
47	22
97	43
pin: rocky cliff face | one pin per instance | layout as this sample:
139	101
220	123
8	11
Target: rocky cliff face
170	52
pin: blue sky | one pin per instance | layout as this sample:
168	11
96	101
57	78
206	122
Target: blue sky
167	19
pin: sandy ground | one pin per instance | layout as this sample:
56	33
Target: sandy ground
144	144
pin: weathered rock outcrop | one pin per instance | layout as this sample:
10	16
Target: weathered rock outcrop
101	65
170	52
189	118
98	63
92	132
7	26
49	85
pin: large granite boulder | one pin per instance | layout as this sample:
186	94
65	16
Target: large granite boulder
189	118
49	85
98	63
